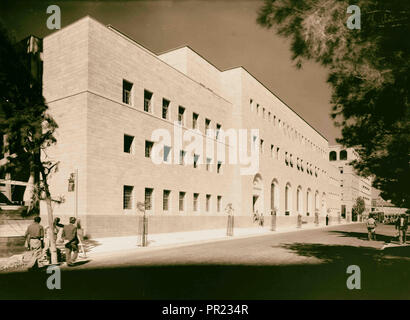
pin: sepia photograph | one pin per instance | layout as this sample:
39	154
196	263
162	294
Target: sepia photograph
187	153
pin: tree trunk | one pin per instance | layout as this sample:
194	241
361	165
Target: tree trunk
53	249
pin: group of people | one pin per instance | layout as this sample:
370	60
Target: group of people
401	226
38	239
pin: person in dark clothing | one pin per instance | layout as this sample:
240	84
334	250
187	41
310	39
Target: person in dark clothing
327	219
34	234
34	240
70	236
401	226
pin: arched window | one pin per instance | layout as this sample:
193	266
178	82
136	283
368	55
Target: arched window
299	199
343	155
308	202
288	199
274	195
316	201
332	156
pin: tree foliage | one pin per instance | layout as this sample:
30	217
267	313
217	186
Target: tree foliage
359	206
369	76
24	121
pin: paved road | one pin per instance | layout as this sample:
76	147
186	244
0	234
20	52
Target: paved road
308	264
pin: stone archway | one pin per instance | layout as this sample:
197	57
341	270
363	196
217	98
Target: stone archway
257	194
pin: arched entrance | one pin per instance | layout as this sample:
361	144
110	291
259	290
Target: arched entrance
257	195
274	196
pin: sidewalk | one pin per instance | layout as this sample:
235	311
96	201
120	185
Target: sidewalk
106	245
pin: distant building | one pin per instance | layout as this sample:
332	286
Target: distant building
381	205
353	186
109	94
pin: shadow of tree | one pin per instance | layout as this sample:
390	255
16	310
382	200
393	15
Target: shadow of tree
334	253
344	253
363	235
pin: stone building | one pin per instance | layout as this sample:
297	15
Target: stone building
112	98
353	185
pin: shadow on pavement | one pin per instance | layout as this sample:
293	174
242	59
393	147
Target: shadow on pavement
335	253
363	235
381	279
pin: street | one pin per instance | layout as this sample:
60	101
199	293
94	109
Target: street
307	264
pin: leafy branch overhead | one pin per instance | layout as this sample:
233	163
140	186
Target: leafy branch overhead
24	121
368	74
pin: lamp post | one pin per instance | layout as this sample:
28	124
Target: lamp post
273	219
229	228
73	187
142	225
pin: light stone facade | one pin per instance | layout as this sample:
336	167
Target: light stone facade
85	65
353	185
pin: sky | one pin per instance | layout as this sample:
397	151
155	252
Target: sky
224	32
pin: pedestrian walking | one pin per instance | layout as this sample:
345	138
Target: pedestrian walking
327	219
70	238
401	226
371	228
34	241
261	220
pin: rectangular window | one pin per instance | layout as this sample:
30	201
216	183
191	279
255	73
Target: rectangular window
195	202
207	126
167	152
182	154
272	151
128	197
208	164
263	113
219	167
181	204
165	109
147	101
218	128
148	198
128	144
126	92
165	200
208	202
195	120
148	148
219	204
196	159
257	108
251	104
277	153
181	115
261	145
